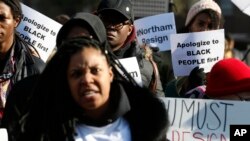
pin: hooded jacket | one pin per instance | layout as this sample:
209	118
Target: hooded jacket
87	20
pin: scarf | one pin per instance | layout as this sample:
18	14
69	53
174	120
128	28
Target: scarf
5	80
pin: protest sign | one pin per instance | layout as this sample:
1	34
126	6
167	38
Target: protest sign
155	30
38	31
204	120
3	134
243	5
131	66
201	49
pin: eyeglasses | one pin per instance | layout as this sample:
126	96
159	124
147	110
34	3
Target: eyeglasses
117	27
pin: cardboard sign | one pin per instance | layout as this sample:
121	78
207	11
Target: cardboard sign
201	49
131	66
155	30
204	120
38	31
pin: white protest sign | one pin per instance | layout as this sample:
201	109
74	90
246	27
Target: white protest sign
38	31
201	49
243	5
3	134
155	30
131	66
204	120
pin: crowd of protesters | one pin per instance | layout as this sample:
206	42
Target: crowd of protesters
84	93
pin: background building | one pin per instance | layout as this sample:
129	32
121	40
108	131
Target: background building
143	8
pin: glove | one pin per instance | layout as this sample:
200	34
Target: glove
197	77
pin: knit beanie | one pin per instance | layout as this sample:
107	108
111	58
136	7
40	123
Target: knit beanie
200	6
228	76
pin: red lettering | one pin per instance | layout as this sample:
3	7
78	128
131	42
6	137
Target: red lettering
223	138
196	136
213	134
173	136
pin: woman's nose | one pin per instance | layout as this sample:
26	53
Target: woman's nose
205	28
86	78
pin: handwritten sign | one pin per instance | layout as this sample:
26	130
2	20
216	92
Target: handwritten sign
38	31
204	120
155	30
201	49
131	66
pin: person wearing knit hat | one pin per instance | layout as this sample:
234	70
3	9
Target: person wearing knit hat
229	79
199	7
204	15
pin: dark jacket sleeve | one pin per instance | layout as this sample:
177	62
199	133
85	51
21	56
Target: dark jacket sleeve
16	105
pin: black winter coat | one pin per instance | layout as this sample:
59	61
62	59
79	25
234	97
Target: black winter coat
26	63
145	113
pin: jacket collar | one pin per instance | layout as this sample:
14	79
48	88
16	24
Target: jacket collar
119	106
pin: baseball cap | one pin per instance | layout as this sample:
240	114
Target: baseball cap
123	7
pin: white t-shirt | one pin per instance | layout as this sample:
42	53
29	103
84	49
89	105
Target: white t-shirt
116	131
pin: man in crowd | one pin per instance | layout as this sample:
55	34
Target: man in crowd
117	16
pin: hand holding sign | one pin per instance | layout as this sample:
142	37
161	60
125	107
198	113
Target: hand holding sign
196	78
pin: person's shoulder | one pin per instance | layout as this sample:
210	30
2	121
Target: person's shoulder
22	88
143	104
26	58
36	63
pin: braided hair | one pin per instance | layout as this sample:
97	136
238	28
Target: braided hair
52	105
